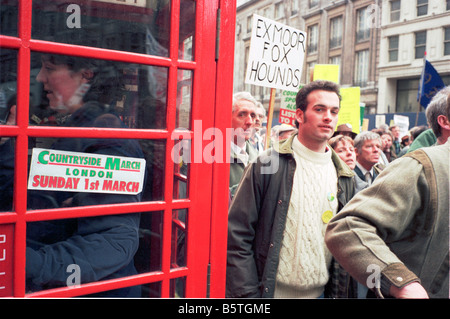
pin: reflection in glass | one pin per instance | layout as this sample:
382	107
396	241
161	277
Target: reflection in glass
148	256
179	231
181	157
178	287
66	85
8	97
184	99
151	290
133	26
8	17
8	83
187	30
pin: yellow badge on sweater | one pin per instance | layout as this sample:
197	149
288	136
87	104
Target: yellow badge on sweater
326	216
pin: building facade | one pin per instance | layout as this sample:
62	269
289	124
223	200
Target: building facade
409	29
338	32
378	44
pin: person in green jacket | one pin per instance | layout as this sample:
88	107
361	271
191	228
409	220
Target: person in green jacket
435	114
393	237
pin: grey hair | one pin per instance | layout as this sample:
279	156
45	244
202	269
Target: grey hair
437	106
362	137
243	96
259	105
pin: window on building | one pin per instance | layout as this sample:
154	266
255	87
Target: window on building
249	24
406	99
279	10
395	10
422	7
447	41
313	3
294	7
336	32
267	12
393	48
313	38
448	5
309	69
420	44
361	68
335	60
362	26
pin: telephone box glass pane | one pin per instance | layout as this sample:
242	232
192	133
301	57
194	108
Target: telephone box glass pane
7	158
74	172
69	252
179	238
187	30
140	26
181	156
81	92
8	84
8	17
184	99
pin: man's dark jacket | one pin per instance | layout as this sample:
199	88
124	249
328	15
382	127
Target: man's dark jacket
257	219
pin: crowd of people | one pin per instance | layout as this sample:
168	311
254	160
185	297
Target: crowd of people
342	215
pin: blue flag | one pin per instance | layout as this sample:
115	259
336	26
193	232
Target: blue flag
430	84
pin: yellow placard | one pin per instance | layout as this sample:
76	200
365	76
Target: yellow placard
350	109
329	72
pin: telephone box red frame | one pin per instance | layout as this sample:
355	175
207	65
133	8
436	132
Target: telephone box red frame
208	187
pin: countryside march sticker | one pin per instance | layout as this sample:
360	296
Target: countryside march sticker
85	172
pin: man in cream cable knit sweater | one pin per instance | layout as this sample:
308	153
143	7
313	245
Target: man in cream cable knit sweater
281	208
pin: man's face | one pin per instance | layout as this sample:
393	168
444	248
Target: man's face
259	119
387	142
242	120
396	132
318	122
369	154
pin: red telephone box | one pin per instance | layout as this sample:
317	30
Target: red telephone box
166	66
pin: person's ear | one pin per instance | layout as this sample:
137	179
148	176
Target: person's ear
299	116
443	122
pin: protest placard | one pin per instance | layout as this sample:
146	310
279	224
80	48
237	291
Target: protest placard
276	55
350	109
287	107
329	72
85	172
403	124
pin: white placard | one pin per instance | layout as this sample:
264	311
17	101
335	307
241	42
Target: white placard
85	172
403	124
276	55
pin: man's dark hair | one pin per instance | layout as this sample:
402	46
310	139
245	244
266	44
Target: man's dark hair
107	84
302	95
301	99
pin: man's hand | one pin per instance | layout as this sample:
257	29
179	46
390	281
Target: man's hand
413	290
